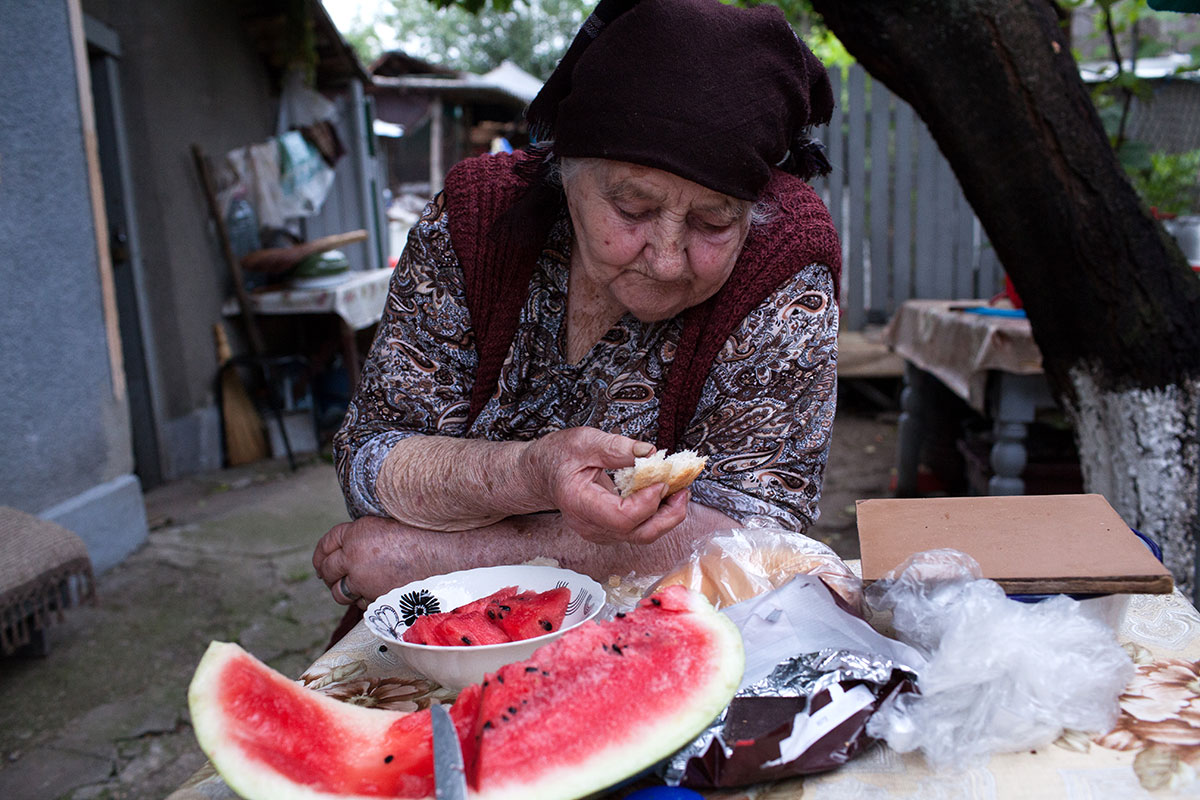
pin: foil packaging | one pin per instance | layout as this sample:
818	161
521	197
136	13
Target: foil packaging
814	675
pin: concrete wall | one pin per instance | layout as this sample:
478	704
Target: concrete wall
189	74
64	431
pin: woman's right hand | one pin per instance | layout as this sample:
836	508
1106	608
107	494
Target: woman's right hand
573	465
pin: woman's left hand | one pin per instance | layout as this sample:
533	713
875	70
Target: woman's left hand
370	556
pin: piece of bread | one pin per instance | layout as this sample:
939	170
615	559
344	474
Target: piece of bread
677	471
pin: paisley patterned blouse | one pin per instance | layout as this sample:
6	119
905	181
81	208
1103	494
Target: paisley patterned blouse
763	420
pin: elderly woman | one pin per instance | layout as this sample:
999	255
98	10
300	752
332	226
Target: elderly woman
656	274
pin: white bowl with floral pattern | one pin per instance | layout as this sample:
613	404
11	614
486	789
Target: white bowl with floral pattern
456	667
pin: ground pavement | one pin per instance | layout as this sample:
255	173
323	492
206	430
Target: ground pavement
105	714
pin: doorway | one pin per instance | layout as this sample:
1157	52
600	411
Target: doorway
104	53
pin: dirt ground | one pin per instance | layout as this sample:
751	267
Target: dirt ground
104	716
862	460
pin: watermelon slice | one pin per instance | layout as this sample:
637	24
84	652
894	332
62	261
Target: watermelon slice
471	628
530	614
424	628
603	702
271	738
482	603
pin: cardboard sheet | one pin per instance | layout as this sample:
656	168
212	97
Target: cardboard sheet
1027	544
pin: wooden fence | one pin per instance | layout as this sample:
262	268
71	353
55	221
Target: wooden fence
906	229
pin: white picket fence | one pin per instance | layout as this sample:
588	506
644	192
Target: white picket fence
906	229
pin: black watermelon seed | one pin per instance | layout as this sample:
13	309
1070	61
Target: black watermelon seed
605	647
466	640
487	725
620	615
617	649
500	678
547	625
544	672
491	614
505	608
656	601
388	759
504	717
512	709
531	669
485	683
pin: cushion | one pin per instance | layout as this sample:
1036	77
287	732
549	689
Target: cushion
43	568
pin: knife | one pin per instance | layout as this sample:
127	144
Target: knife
449	775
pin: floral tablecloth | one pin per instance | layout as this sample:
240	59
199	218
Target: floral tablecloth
1151	753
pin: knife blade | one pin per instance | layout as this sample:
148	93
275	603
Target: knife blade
449	775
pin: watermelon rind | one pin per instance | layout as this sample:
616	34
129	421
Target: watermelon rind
218	737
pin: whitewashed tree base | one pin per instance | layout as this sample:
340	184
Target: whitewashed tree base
1140	448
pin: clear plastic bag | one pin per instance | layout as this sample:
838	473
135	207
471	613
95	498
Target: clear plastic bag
1002	675
737	565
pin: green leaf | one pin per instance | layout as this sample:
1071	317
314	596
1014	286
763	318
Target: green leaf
1169	182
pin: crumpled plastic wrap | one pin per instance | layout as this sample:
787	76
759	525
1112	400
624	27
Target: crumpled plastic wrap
736	565
1002	676
814	675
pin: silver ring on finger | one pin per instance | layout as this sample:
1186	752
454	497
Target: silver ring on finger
349	595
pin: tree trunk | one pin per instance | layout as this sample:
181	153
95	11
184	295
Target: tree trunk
1114	307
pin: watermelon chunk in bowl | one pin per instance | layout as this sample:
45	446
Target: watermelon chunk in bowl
456	667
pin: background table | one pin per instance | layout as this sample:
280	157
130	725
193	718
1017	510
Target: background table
357	301
1158	726
989	361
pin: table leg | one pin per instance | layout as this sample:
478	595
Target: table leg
350	354
1014	400
910	431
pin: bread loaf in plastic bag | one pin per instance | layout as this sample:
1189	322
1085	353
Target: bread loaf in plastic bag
739	564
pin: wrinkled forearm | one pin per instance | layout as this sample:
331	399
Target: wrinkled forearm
449	484
520	538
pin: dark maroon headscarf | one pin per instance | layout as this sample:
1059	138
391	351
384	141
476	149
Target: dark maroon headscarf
716	94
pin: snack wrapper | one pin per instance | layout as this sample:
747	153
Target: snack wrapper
815	674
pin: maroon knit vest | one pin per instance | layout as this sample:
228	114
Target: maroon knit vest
497	267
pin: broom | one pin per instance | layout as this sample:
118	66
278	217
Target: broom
245	441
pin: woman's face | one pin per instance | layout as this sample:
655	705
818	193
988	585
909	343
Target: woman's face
649	241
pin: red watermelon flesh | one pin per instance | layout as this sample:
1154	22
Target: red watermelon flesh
601	703
471	628
423	630
530	614
482	603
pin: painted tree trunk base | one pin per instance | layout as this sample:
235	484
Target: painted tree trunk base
1140	449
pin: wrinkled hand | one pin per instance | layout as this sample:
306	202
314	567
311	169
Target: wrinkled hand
573	464
373	555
